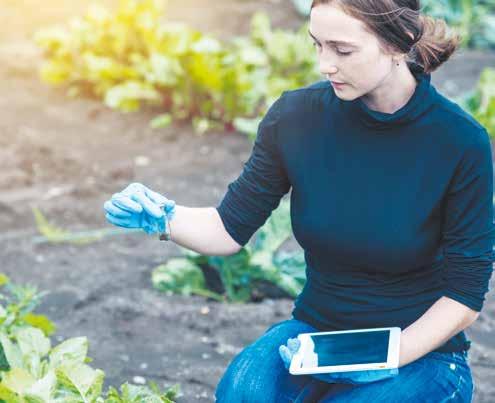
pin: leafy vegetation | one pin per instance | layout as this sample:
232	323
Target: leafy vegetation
473	19
133	56
241	272
481	101
32	371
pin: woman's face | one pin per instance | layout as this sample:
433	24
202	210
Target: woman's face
361	65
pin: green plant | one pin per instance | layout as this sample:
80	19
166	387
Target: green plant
53	234
31	371
480	102
239	273
16	310
131	56
473	19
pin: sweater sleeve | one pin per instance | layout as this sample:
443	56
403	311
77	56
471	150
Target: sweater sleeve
251	198
468	227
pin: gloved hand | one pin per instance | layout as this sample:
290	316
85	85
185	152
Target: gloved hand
353	377
139	207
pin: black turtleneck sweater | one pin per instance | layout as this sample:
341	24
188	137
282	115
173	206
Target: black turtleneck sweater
393	211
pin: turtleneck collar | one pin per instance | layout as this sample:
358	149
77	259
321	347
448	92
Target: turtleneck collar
419	103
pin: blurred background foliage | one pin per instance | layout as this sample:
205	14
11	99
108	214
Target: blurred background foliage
131	56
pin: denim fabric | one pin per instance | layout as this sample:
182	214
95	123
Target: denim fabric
258	375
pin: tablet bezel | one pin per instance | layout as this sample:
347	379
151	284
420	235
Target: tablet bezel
392	355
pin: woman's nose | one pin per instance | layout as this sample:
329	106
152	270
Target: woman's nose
327	67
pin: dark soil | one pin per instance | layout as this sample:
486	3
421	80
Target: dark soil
68	156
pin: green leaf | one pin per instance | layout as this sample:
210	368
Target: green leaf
275	231
260	27
43	390
161	121
201	125
206	45
4	363
172	392
34	345
138	394
292	269
44	227
252	55
40	322
128	96
9	396
4	279
236	273
179	276
3	314
18	380
80	380
71	351
12	352
481	102
32	340
161	69
247	126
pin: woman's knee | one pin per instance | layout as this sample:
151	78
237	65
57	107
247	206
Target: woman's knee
257	373
248	378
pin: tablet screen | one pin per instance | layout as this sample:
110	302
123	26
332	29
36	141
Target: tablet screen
349	348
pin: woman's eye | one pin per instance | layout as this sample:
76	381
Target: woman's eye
343	53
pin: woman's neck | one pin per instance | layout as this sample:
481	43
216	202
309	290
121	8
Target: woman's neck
394	92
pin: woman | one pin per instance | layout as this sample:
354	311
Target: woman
391	201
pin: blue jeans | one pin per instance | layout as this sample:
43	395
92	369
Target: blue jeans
257	374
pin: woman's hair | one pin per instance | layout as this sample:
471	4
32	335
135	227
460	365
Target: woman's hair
391	20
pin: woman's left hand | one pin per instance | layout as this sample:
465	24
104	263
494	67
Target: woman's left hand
353	377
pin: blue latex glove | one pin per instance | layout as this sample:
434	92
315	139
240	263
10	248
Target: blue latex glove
354	377
139	207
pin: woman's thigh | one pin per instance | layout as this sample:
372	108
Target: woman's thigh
436	377
257	373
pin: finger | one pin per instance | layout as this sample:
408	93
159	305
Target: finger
285	354
293	344
155	197
169	205
150	207
120	222
133	188
126	203
112	209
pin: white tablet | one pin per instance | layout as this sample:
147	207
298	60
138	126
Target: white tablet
348	350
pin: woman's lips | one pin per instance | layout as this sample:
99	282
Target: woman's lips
337	85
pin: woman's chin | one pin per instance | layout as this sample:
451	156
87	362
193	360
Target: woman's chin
346	95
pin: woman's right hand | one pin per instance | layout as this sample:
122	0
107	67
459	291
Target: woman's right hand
139	207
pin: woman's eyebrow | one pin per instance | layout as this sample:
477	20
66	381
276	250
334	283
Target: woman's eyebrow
337	42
